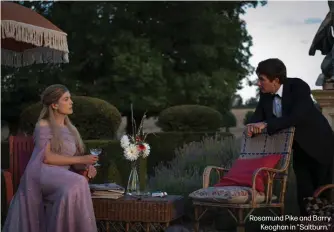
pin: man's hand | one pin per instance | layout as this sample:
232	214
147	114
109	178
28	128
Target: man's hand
255	128
260	126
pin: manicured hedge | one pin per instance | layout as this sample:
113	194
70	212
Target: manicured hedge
94	118
195	118
248	117
229	120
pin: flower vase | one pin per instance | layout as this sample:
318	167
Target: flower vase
133	182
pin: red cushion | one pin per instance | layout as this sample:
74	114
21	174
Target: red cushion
242	171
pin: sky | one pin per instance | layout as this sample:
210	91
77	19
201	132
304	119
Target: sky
285	30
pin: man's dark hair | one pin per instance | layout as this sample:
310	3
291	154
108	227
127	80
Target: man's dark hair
272	68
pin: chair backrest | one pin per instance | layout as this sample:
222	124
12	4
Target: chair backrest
20	150
263	144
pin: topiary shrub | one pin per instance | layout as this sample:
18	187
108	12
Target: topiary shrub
190	118
113	175
93	117
229	120
248	117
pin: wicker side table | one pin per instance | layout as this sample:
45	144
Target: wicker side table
137	213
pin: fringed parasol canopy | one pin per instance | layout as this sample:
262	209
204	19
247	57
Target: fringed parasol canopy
28	38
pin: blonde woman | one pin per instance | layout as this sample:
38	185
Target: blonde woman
50	197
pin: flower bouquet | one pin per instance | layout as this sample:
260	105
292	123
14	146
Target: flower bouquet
134	147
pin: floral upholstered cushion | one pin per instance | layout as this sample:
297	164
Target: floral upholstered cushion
227	194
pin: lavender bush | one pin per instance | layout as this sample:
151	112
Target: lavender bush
183	174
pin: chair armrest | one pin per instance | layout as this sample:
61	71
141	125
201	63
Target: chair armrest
207	172
269	188
9	186
322	189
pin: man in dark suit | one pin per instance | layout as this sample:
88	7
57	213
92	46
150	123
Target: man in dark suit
286	102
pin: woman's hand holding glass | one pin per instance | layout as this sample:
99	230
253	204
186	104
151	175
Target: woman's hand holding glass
97	152
89	159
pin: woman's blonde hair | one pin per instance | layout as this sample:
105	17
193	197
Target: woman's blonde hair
51	95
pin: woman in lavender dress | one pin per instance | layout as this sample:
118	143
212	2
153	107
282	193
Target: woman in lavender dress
50	197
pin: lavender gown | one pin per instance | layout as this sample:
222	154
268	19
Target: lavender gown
51	198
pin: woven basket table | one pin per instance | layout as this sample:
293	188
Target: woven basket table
137	213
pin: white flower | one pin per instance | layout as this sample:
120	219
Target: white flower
131	152
125	142
146	152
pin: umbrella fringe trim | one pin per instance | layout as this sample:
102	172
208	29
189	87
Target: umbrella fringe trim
32	56
38	36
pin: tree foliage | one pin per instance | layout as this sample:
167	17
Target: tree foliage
151	54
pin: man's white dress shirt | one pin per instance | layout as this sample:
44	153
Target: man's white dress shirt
277	102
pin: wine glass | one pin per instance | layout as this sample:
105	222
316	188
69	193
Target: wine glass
96	151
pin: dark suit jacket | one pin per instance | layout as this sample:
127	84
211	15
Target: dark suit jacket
312	130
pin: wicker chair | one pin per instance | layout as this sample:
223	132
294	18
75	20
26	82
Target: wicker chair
257	146
20	150
321	189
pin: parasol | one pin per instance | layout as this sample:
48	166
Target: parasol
27	38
